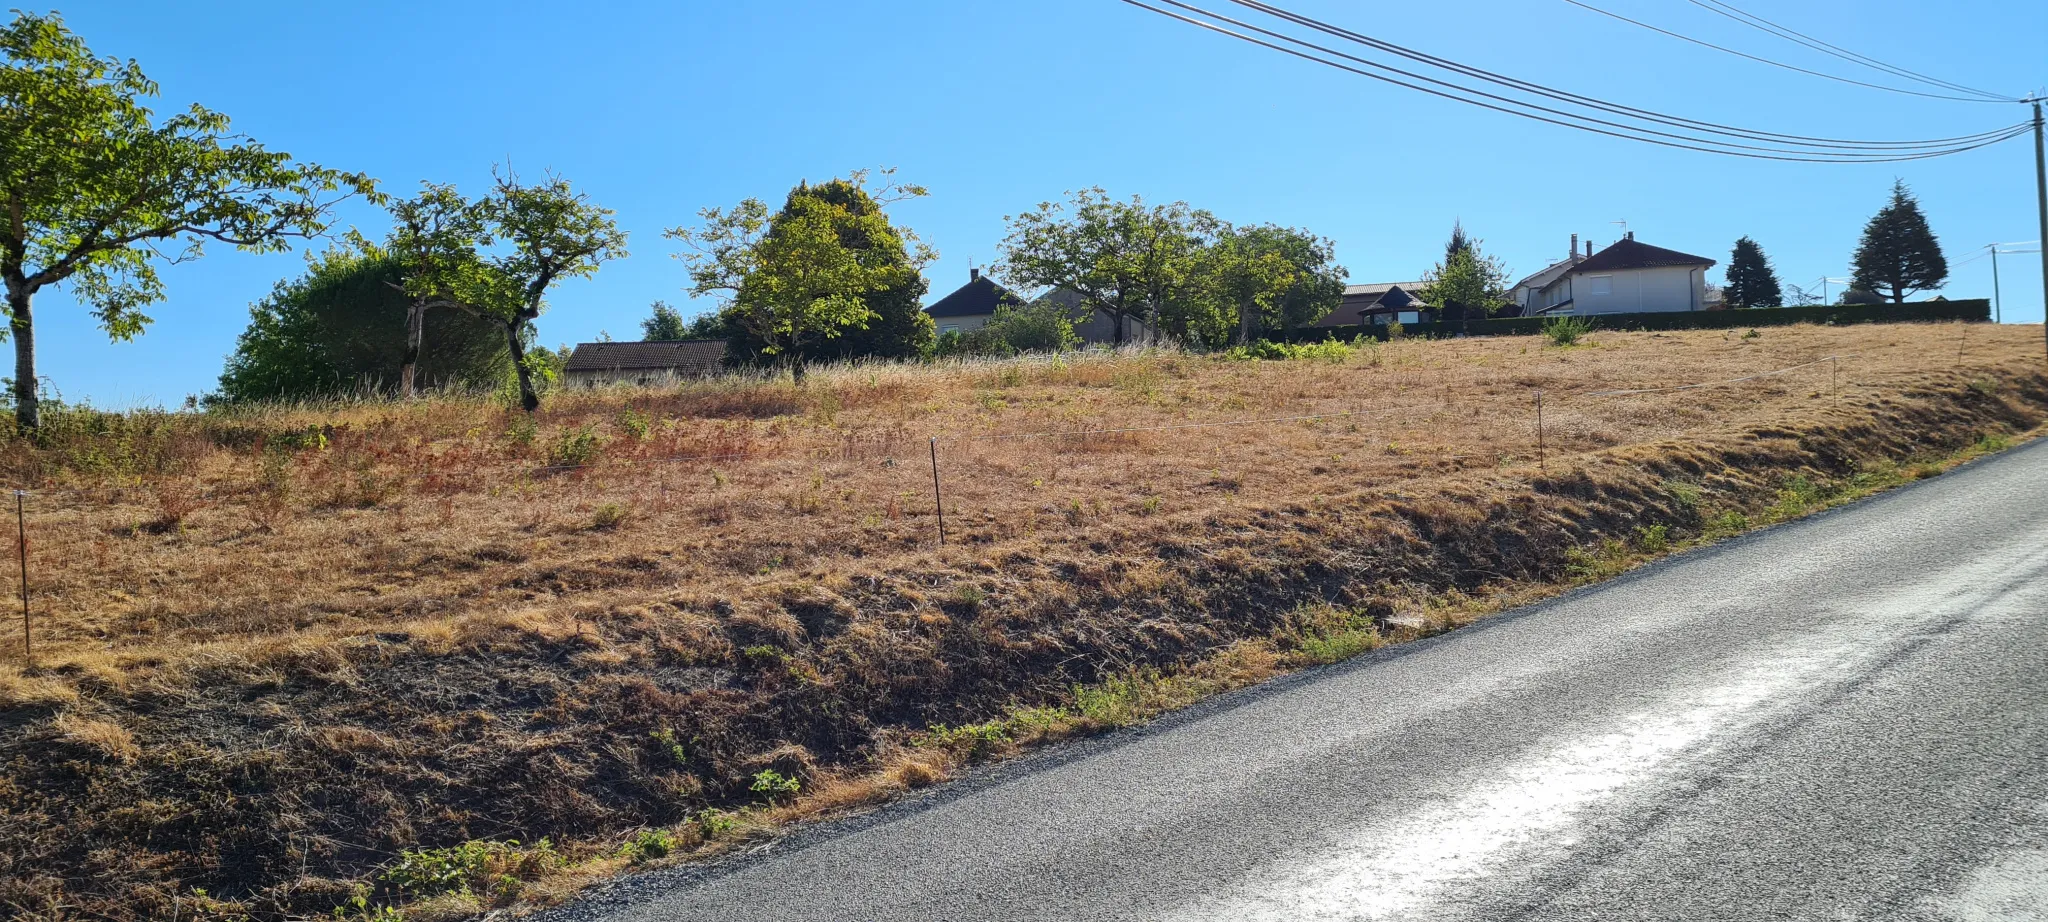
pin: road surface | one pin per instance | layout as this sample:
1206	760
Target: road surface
1841	719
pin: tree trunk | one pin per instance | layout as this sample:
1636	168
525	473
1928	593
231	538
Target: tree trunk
28	411
528	399
1120	336
1244	325
797	368
415	334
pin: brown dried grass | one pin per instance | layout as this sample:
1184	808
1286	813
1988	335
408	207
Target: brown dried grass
395	624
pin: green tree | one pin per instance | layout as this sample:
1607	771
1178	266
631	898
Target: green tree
666	325
1124	258
828	265
548	232
94	186
1467	277
435	239
1898	256
1275	278
1751	283
339	328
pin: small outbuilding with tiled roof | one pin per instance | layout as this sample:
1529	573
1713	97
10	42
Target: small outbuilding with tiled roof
594	364
1627	277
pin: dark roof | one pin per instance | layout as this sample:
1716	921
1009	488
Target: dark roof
688	356
1361	301
980	296
1626	253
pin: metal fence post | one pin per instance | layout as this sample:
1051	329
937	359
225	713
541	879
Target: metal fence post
28	650
938	498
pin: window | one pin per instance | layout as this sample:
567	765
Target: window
1600	284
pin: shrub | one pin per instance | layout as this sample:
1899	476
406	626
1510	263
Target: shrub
773	785
608	517
1566	331
576	448
1328	350
471	867
648	845
634	424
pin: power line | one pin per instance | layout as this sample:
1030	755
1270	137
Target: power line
1576	120
1792	35
1553	93
1763	60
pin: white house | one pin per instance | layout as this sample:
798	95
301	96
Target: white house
1627	277
1526	291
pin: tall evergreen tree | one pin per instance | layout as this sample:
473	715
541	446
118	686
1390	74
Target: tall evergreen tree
1751	283
1458	243
1899	256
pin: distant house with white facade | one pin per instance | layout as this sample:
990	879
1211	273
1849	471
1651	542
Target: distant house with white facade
973	305
599	364
1627	277
1525	292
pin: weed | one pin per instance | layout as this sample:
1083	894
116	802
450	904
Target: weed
1990	443
471	867
773	785
1653	539
1686	495
763	656
969	596
522	432
576	448
973	742
666	738
1566	331
716	824
1752	334
1150	506
634	424
648	845
360	909
608	516
1726	524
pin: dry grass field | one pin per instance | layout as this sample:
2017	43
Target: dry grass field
283	654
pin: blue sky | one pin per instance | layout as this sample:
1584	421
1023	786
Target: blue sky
658	109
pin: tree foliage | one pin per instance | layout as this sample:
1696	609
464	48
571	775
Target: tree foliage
666	324
1751	283
435	239
340	329
1899	256
1267	277
1467	277
95	186
1124	258
826	276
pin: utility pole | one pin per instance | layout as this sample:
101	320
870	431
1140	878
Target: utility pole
1997	300
2041	193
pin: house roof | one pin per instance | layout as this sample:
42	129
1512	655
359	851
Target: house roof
1360	300
689	356
1548	274
1628	253
979	296
1376	289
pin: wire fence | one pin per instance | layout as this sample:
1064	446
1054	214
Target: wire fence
1372	430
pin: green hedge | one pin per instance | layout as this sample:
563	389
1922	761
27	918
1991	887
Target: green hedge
1975	310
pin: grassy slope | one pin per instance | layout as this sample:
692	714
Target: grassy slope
276	660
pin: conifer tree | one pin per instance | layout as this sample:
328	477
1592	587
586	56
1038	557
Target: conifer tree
1899	256
1751	283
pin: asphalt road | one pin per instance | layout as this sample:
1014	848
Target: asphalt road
1840	719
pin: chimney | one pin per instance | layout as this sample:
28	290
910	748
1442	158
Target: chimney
1575	246
1589	249
1628	235
973	274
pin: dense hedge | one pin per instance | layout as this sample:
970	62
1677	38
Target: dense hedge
1975	310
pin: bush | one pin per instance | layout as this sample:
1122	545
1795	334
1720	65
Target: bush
1566	331
576	448
1038	327
1264	350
